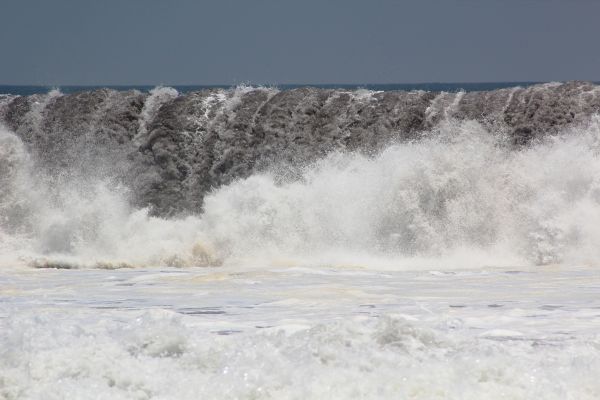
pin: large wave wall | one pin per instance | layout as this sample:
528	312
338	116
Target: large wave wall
305	176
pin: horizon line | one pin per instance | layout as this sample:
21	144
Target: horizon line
290	84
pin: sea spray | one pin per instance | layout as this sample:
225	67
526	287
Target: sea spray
460	190
67	221
460	196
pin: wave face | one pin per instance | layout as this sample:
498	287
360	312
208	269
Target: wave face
247	175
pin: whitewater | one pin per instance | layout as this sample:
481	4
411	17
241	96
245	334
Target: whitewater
257	243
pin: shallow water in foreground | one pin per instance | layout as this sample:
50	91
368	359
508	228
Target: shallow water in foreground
300	333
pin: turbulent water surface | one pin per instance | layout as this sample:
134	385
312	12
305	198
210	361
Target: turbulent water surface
301	243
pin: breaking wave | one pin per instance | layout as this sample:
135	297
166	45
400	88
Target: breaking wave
461	195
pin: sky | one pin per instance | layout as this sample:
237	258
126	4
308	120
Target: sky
178	42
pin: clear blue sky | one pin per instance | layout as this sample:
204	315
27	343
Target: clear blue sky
61	42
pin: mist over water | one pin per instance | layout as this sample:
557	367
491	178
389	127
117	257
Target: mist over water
459	196
72	221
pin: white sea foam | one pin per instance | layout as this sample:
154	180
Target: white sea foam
297	334
159	356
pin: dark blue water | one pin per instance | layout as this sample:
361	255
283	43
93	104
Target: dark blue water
447	87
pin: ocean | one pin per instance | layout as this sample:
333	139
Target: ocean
435	241
26	90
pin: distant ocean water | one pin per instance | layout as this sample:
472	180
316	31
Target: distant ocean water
25	90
